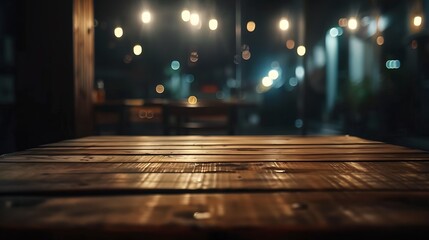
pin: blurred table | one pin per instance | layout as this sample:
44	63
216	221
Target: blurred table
215	187
166	117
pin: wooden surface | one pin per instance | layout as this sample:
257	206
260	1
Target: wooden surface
215	187
83	65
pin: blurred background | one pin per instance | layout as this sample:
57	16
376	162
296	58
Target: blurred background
358	67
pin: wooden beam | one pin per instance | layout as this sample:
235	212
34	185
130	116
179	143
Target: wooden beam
83	50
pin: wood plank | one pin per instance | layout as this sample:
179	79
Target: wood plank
336	215
217	167
208	143
293	157
237	151
103	177
217	145
356	157
229	139
183	146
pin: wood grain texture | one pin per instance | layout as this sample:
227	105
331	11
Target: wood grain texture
179	177
228	139
215	187
242	216
197	158
83	65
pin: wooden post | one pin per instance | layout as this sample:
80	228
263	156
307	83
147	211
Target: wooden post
83	48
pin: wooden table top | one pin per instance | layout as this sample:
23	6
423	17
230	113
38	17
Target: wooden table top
215	187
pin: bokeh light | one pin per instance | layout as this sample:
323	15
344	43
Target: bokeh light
393	64
118	32
137	50
213	24
194	57
290	44
159	88
284	24
246	55
299	123
146	17
380	40
251	26
267	82
334	32
417	21
352	24
175	65
299	72
293	82
195	19
273	74
301	50
192	100
343	22
186	15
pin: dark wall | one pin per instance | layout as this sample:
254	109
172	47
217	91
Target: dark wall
8	27
44	79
